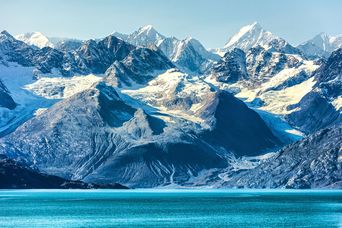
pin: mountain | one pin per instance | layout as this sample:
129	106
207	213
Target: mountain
254	35
36	78
144	36
255	56
193	99
139	67
268	81
147	110
322	106
98	56
314	162
112	141
253	67
238	128
90	57
188	54
15	175
322	45
232	67
40	40
13	50
105	136
35	38
67	45
44	60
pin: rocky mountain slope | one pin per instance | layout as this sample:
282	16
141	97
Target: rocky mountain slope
314	162
321	107
189	54
112	136
321	46
147	110
14	175
37	78
6	101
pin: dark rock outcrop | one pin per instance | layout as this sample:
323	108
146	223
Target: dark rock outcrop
6	100
314	162
14	175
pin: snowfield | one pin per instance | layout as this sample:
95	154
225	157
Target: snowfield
60	88
34	96
176	94
276	100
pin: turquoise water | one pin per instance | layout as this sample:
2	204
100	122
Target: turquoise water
170	208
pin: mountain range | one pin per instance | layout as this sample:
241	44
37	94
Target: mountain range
146	110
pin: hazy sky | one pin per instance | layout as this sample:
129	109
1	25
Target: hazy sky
210	21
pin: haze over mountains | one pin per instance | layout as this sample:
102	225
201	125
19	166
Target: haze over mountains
146	110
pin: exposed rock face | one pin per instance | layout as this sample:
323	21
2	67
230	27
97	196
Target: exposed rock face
254	67
239	129
98	56
232	67
329	76
103	136
6	100
321	107
90	57
139	67
314	112
263	64
189	54
314	162
13	50
96	129
14	175
321	46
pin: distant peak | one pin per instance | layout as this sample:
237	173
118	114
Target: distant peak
4	32
7	35
38	33
189	38
149	32
323	35
147	28
254	26
249	36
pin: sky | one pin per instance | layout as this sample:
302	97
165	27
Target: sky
210	21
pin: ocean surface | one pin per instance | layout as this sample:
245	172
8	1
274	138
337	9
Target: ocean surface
170	208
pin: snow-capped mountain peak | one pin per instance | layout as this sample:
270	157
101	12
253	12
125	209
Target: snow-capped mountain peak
321	45
249	36
145	36
35	38
187	54
242	32
147	29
